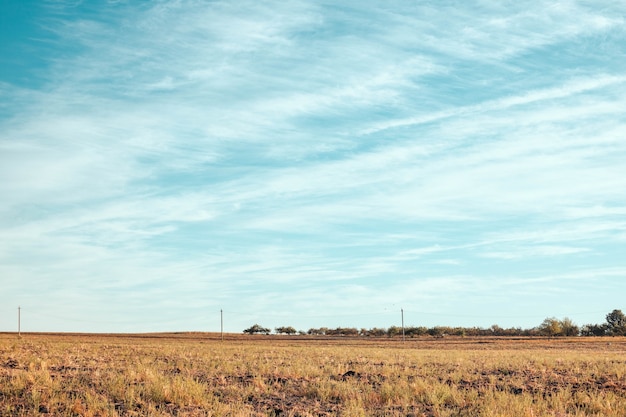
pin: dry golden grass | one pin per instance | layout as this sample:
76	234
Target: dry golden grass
199	375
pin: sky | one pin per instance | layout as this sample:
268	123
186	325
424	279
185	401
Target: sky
310	164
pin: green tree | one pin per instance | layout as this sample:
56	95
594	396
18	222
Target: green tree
412	331
439	331
373	332
257	329
496	330
593	330
568	328
555	327
550	327
616	323
286	330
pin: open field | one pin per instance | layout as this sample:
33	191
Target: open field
197	374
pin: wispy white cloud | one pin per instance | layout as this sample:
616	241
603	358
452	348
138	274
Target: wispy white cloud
571	88
534	252
278	155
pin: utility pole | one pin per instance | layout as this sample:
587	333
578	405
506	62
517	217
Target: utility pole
222	323
19	321
402	313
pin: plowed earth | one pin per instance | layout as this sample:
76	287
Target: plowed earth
83	375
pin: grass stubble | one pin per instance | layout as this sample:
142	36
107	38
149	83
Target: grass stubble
92	375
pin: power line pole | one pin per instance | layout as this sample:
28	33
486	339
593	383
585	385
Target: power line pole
19	321
402	313
222	323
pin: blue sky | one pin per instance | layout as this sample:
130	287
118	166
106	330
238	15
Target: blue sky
310	163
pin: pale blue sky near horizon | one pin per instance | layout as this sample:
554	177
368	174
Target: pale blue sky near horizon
310	163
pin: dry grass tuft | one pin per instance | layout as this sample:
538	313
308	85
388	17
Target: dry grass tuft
192	375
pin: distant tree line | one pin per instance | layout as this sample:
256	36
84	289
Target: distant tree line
615	325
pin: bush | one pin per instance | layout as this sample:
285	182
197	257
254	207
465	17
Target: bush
257	329
593	330
285	330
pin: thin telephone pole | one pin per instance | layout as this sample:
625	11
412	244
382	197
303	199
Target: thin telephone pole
222	323
19	321
402	313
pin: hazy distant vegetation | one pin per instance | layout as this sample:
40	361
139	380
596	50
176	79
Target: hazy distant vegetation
615	325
